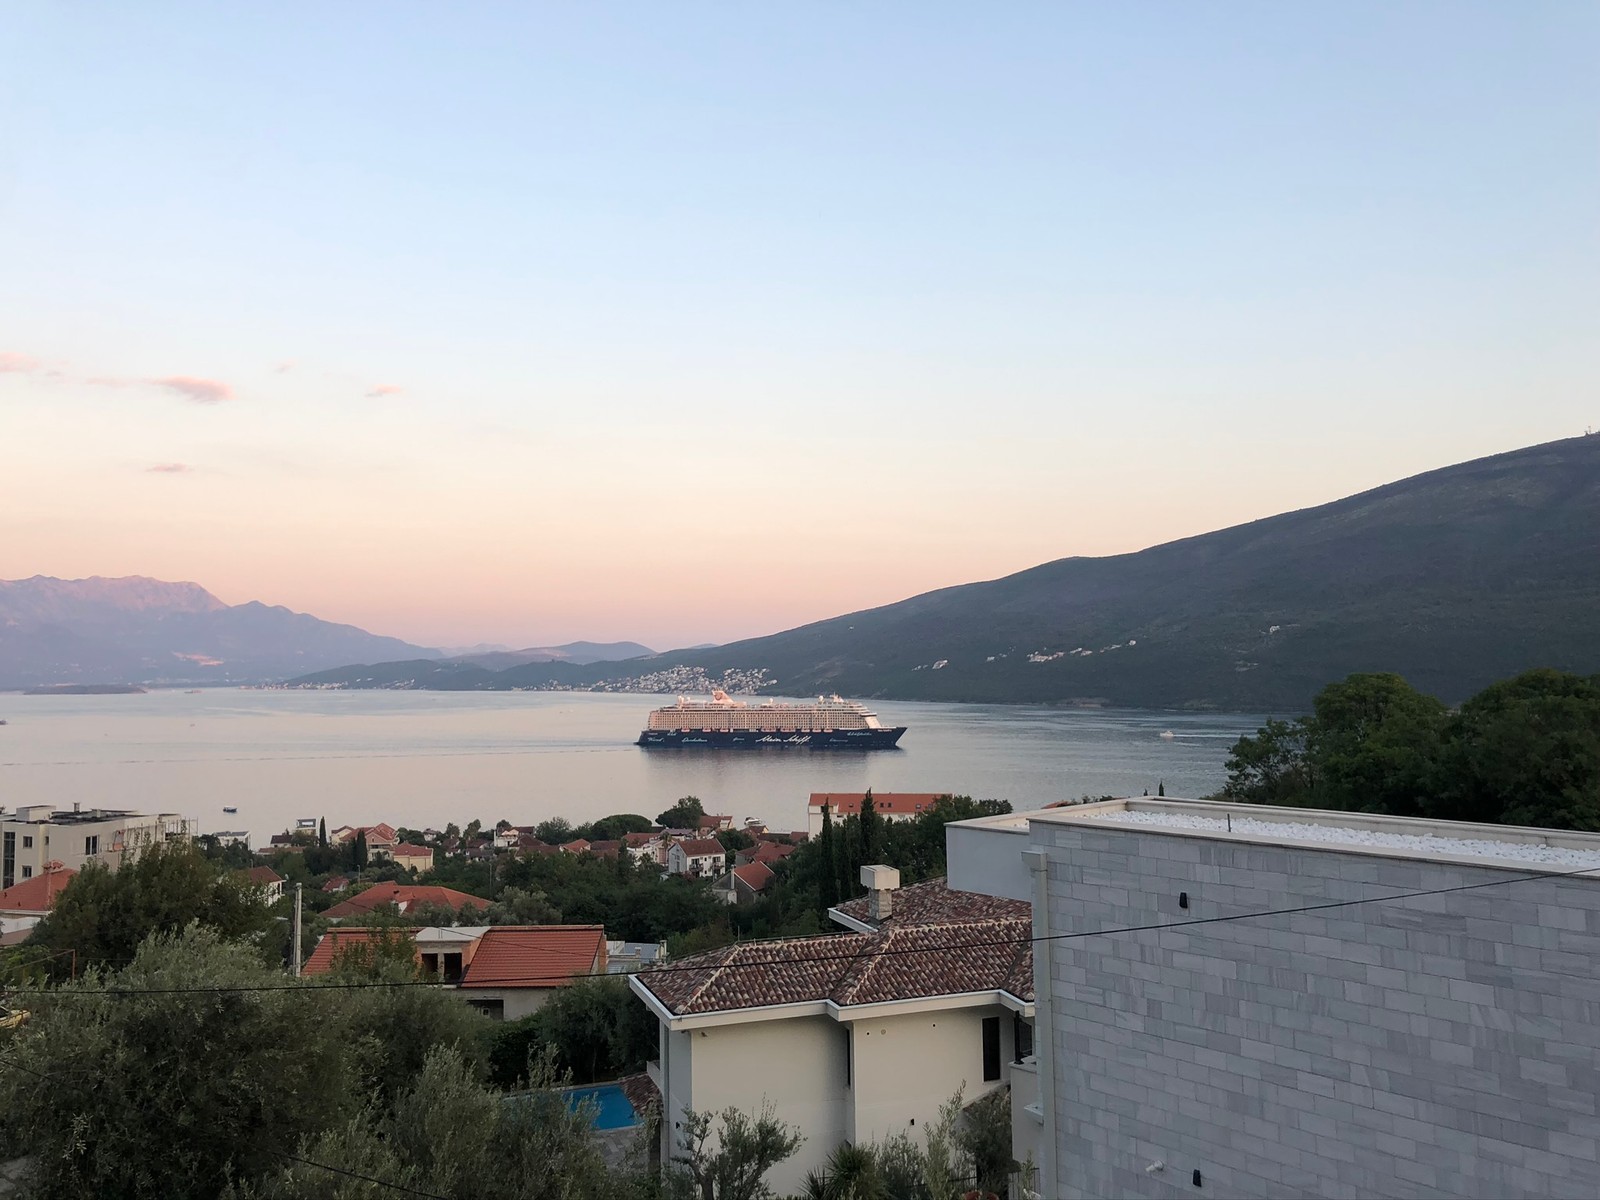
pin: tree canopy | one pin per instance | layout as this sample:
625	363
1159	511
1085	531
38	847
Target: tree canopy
1524	751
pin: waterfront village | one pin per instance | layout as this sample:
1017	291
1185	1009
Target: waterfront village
909	984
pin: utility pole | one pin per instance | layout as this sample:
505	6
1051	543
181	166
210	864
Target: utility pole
295	950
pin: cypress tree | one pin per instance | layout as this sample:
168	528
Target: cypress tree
322	833
1161	787
830	863
871	831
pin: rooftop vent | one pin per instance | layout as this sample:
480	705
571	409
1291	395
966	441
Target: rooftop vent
880	883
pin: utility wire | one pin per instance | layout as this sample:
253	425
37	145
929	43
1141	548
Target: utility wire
670	968
398	1187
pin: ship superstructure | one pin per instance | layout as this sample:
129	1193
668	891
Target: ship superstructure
828	724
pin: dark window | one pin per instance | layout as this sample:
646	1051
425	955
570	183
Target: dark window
452	968
27	842
430	964
849	1052
495	1010
8	865
991	1049
27	872
1021	1036
91	845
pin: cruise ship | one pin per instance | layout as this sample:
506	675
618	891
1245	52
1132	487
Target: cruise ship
725	723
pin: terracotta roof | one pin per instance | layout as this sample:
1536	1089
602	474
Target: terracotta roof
337	884
575	846
262	876
932	903
713	820
902	960
754	876
765	852
405	897
410	850
37	894
700	847
848	804
635	840
535	955
641	1092
606	849
330	943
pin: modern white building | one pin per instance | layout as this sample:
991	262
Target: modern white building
851	1036
35	834
1243	1001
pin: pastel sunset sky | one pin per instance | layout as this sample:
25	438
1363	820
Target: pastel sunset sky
686	322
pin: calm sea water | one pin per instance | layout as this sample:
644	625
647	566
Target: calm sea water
428	758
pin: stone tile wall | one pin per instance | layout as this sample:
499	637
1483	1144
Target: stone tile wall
1444	1045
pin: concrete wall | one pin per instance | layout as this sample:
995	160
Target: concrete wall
1444	1045
985	855
798	1065
907	1067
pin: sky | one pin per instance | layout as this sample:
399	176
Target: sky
682	323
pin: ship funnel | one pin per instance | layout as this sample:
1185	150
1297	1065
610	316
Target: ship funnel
880	883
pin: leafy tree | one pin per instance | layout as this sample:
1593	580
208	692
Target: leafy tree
514	906
734	840
985	1138
1526	751
1375	741
685	814
748	1147
1273	766
104	915
616	826
554	832
171	1094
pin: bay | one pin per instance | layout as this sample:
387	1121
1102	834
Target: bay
429	758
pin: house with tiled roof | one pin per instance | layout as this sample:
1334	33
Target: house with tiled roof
23	905
575	846
699	858
744	884
714	823
403	898
763	852
923	992
891	806
380	837
413	858
265	878
650	846
504	971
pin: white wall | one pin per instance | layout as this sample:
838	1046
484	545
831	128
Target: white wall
985	855
798	1065
907	1067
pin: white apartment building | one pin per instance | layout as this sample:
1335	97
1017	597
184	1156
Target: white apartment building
32	835
851	1036
700	858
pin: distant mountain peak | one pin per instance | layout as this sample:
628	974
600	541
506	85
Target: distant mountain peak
132	592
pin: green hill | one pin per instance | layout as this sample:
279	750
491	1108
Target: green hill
1454	579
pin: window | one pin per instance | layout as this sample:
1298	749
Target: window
27	842
91	845
27	872
1021	1037
452	968
8	864
991	1049
849	1052
430	964
495	1010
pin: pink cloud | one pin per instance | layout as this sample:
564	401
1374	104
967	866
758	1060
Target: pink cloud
170	469
385	389
201	391
17	363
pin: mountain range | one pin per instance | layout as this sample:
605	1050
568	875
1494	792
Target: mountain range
139	630
1452	578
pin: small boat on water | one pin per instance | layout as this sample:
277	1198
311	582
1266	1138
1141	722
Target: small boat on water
228	808
1168	736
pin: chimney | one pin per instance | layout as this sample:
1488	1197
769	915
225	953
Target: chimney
880	883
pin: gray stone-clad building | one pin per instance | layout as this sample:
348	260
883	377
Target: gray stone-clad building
1443	1044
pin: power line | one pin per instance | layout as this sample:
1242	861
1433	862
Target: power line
1075	935
398	1187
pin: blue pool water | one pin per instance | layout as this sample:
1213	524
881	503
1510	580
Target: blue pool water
614	1110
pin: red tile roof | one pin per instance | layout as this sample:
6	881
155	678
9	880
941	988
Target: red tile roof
404	897
330	943
848	804
535	955
635	840
606	849
754	876
337	884
701	847
38	894
411	850
909	957
768	852
262	876
575	846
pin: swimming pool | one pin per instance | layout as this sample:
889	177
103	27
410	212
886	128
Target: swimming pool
614	1109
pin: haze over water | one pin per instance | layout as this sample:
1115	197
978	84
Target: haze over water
428	758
